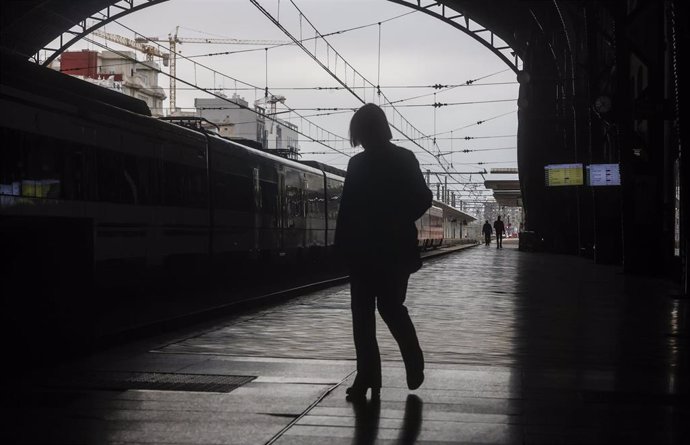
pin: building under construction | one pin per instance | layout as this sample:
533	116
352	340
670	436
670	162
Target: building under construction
118	71
236	119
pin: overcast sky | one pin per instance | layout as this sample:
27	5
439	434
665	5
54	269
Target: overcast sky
415	50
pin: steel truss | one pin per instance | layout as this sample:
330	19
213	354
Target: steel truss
89	24
435	9
465	24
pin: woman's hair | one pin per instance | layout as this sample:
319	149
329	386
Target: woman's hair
369	124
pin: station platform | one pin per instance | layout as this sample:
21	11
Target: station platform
521	348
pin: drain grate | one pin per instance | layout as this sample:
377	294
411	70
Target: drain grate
162	381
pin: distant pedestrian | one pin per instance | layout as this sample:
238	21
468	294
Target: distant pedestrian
384	194
500	231
486	230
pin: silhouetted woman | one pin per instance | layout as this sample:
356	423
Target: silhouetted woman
383	196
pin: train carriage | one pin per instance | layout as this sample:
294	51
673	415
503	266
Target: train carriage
152	196
95	190
430	228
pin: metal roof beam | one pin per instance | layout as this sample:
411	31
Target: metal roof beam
94	22
461	21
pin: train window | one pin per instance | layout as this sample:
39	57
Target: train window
125	179
40	167
115	184
269	196
184	185
334	191
295	205
316	207
314	196
269	200
144	176
233	192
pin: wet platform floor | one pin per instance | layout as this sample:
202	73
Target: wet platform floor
520	348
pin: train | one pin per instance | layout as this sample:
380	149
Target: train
430	228
94	189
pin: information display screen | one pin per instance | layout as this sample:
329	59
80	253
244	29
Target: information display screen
603	174
557	175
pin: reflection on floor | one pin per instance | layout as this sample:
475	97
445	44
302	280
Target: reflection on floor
520	348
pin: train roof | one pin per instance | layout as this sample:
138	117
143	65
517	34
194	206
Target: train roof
453	212
250	146
325	167
264	154
21	74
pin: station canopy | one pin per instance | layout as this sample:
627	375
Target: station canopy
506	191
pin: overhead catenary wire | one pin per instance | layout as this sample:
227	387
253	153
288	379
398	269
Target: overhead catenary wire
215	95
216	72
434	105
485	163
328	34
469	150
180	55
332	112
446	88
448	104
337	88
479	122
465	138
335	76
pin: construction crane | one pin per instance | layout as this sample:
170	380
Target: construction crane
149	50
174	39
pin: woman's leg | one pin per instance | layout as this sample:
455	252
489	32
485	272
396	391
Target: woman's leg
363	304
391	299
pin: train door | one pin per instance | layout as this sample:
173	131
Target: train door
256	189
282	211
305	226
211	200
294	220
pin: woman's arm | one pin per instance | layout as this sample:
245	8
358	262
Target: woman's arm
420	196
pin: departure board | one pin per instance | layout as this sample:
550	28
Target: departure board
563	174
603	174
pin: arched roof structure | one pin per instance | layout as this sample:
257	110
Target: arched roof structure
570	55
28	26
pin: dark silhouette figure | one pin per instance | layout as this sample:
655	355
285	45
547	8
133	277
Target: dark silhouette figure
383	195
500	231
486	230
